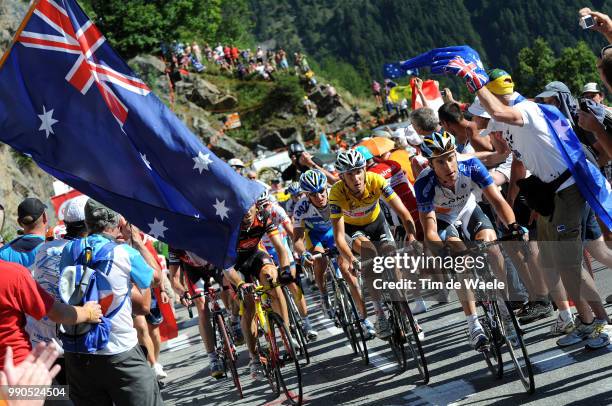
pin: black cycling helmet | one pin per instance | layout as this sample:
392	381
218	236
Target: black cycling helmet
296	149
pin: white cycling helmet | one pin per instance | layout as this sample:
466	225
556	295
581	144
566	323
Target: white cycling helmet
349	160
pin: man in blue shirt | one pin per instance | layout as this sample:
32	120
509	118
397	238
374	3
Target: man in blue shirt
32	217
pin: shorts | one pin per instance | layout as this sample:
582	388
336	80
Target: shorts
320	239
590	227
198	279
478	221
251	265
154	317
376	231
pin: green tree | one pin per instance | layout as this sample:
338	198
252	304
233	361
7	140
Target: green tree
576	66
236	23
536	68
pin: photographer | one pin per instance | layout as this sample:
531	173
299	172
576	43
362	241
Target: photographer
603	24
301	161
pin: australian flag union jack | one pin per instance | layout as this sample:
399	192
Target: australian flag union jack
71	103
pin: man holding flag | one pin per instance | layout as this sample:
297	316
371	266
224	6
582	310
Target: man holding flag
545	144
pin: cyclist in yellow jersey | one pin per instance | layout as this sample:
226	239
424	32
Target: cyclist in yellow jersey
360	227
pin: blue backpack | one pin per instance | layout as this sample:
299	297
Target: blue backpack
79	284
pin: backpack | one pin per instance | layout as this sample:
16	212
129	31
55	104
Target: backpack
78	284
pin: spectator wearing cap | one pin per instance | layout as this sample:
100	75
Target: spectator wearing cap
591	91
45	271
526	131
32	217
119	373
236	164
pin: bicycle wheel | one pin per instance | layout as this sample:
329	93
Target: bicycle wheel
517	349
398	335
356	334
492	353
413	342
265	351
339	312
296	325
229	352
285	360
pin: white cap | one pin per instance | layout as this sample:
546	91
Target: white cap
591	87
75	209
235	162
382	133
476	109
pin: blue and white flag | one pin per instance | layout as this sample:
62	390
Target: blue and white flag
72	104
591	183
395	71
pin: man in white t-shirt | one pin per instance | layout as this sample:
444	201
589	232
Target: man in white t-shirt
119	373
525	130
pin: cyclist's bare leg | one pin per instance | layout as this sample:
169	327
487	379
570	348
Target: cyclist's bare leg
495	257
353	285
320	264
144	339
248	325
269	272
466	296
204	324
231	303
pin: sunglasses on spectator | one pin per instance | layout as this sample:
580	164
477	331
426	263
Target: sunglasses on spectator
603	50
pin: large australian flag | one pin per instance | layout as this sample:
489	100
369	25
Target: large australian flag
72	104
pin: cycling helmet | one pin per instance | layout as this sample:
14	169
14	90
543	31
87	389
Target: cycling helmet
293	189
348	160
263	199
437	143
296	149
313	181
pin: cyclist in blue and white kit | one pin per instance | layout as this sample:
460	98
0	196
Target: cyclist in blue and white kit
313	231
447	193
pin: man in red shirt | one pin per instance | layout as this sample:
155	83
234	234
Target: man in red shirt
21	295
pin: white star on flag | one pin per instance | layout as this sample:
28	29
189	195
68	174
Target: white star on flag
220	209
202	161
146	162
157	228
47	121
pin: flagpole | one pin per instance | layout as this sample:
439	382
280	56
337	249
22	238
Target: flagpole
19	30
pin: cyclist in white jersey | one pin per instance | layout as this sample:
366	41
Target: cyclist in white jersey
446	195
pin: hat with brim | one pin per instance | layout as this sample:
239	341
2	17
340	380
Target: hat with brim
30	210
553	89
476	109
591	88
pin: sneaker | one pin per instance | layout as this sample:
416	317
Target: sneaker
420	332
237	332
368	328
256	369
609	299
514	306
478	339
419	306
216	368
510	331
581	332
562	327
523	311
598	338
159	371
383	330
536	311
311	333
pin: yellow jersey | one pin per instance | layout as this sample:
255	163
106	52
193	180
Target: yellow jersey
359	211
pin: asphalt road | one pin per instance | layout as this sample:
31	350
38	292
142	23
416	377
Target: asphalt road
459	375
